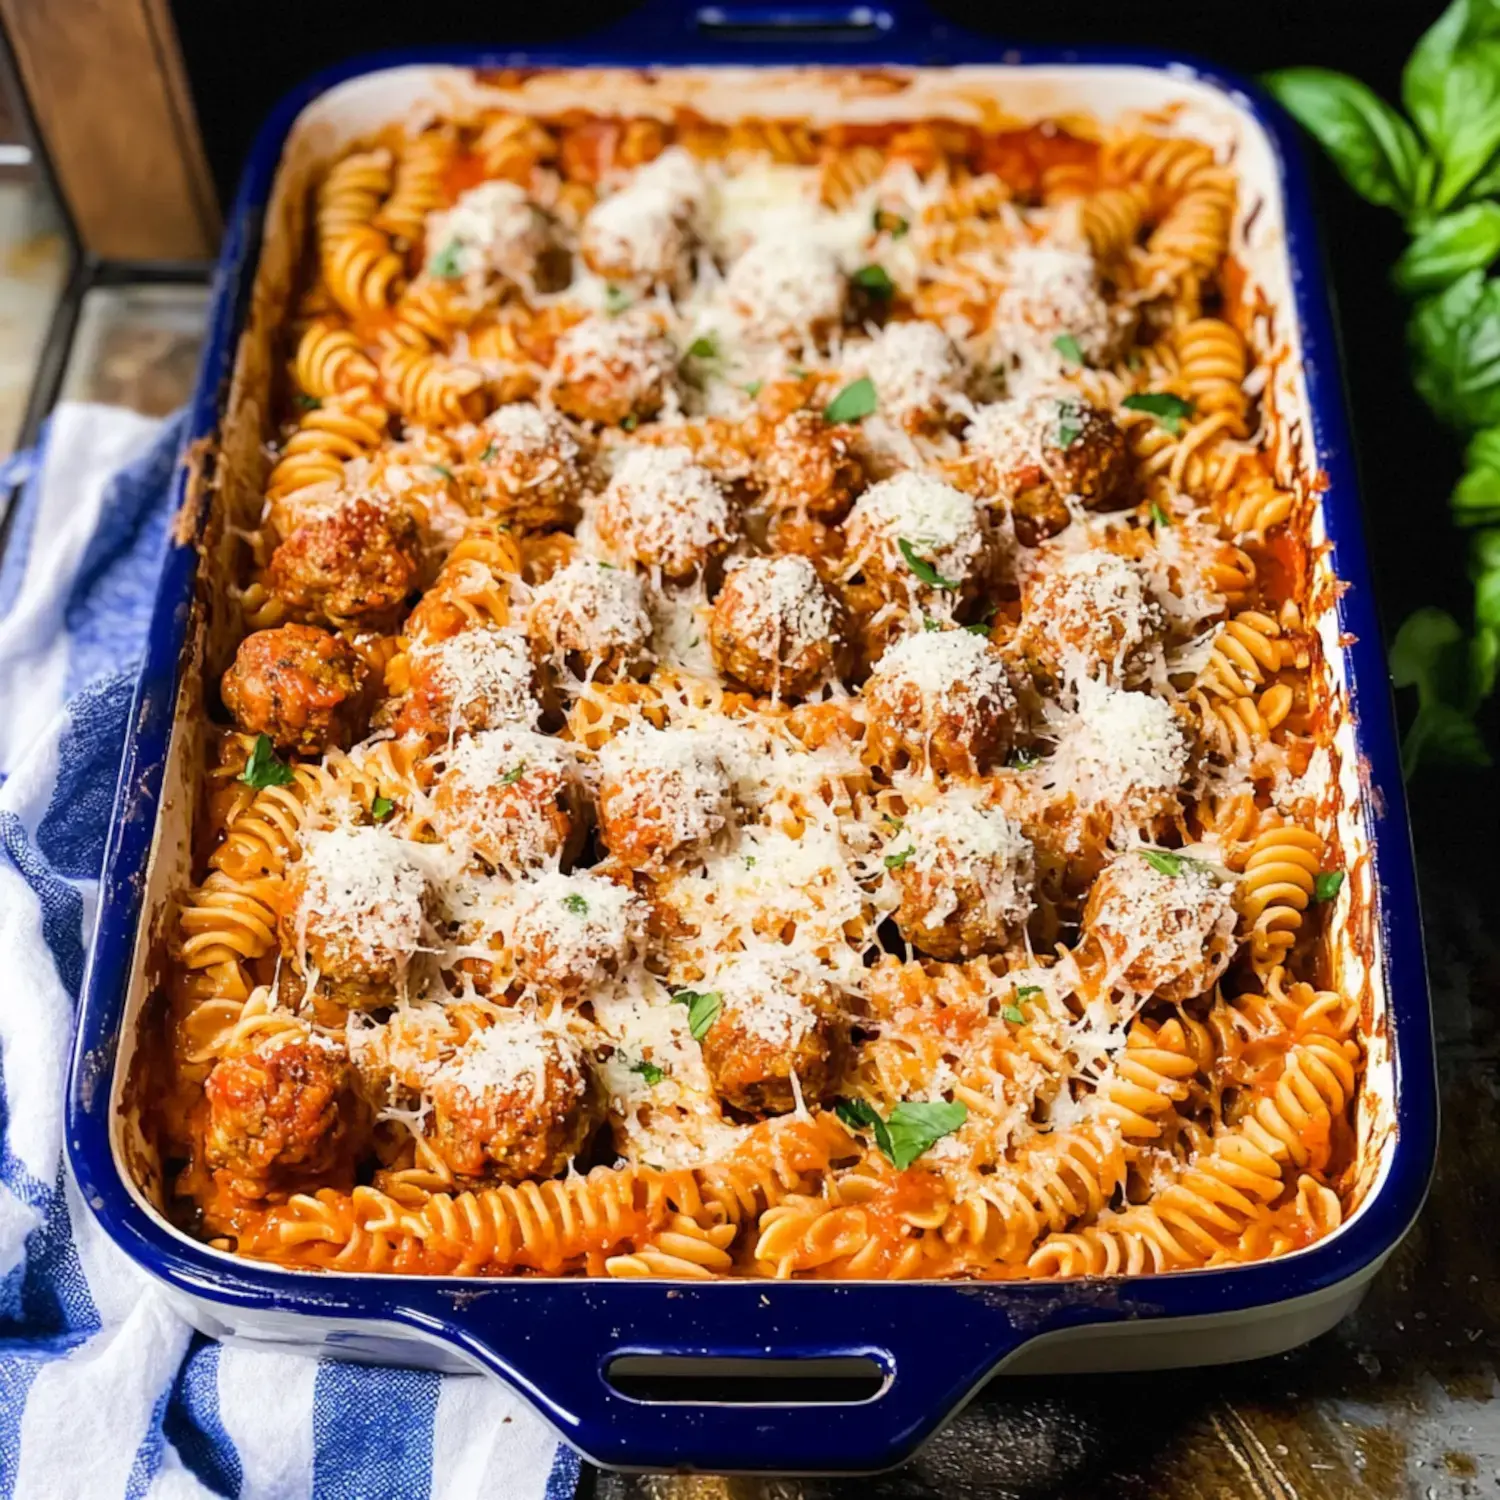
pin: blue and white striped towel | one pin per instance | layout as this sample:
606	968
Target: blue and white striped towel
104	1390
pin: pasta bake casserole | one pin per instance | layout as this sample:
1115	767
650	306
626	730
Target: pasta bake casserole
772	725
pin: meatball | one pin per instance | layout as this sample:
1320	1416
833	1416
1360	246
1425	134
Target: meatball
301	686
661	792
480	678
965	873
810	467
528	466
514	1103
494	231
940	699
1037	454
590	619
644	233
573	932
1049	293
613	370
1160	924
1123	752
356	563
918	540
917	373
509	796
786	289
778	1017
357	905
274	1108
664	511
774	627
1090	615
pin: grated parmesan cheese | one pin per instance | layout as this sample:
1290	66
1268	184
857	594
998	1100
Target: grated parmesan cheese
674	776
1091	610
956	842
592	608
785	288
939	522
664	510
1049	291
510	1056
484	673
1125	750
362	888
572	930
493	229
781	608
945	664
914	367
769	993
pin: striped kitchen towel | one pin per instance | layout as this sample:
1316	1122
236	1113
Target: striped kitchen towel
104	1390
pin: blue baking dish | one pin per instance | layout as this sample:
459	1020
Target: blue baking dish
931	1344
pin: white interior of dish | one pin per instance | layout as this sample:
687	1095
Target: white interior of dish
994	96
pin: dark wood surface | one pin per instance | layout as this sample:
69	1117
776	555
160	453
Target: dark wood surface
1400	1399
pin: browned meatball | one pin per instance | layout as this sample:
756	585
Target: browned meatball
299	685
528	466
664	511
778	1016
810	467
590	619
1036	454
274	1108
509	796
357	563
480	678
515	1102
940	699
356	910
965	873
611	370
661	792
1159	924
1089	615
572	932
774	627
644	232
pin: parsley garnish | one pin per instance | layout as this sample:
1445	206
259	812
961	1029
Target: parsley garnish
1067	346
928	623
576	904
749	861
306	402
264	767
1026	991
445	262
650	1072
752	388
703	1009
1012	1013
513	775
876	280
1069	423
1327	885
1168	409
797	372
895	822
1159	515
1023	759
892	224
852	404
616	299
895	861
924	569
489	452
914	1126
442	469
381	808
629	422
978	629
1166	863
705	346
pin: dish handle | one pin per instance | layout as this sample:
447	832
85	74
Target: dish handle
744	1376
675	24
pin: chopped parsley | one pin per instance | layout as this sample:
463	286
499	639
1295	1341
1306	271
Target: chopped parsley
1069	423
306	402
1159	516
381	808
705	346
895	861
1327	885
797	372
1023	759
490	451
513	775
1067	346
892	224
442	469
752	388
616	299
980	628
914	1126
928	623
852	404
576	904
445	262
650	1072
1169	410
1012	1013
924	569
876	280
894	821
1026	991
264	767
1164	862
703	1009
629	422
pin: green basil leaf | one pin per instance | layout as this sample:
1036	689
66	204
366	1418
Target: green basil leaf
852	404
306	402
1012	1013
705	346
876	280
924	569
649	1071
1067	346
1023	759
1443	735
1169	410
1326	885
1451	674
1484	569
1161	861
1455	340
576	904
616	300
512	776
629	422
1159	516
896	861
490	450
893	224
703	1006
445	262
1475	500
753	388
1468	239
381	807
1375	150
858	1115
1027	991
1451	88
916	1126
264	767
